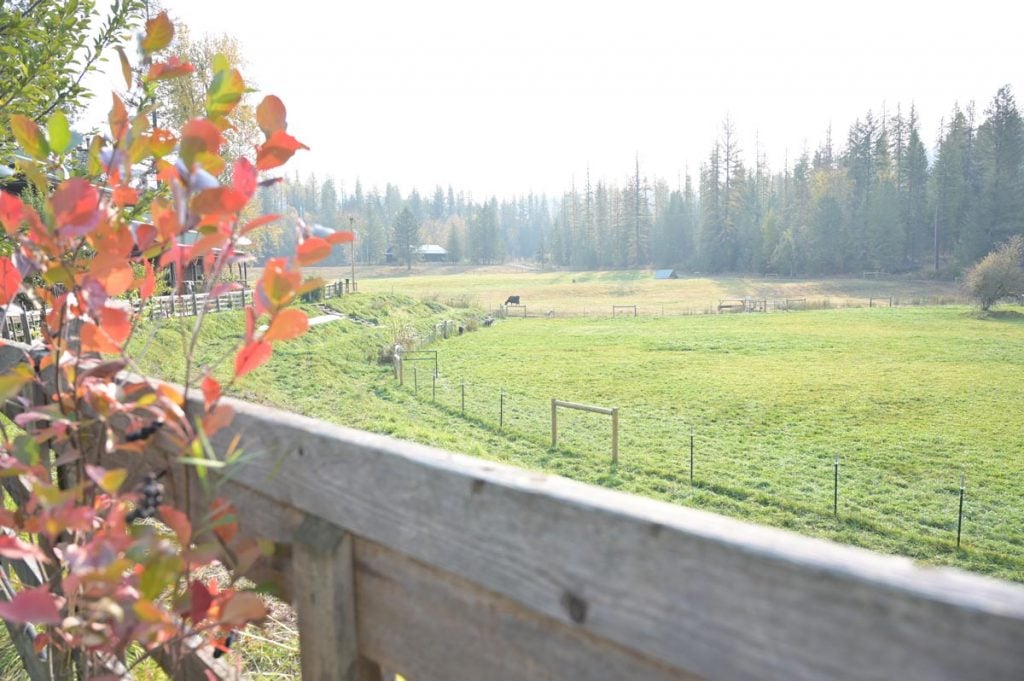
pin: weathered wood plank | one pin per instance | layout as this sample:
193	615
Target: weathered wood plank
710	595
429	624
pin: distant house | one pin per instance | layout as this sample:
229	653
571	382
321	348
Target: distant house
431	253
665	274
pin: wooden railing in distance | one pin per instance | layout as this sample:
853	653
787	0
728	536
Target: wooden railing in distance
442	566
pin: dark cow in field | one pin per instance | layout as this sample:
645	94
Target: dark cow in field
512	300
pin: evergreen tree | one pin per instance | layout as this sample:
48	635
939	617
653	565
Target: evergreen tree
999	211
406	236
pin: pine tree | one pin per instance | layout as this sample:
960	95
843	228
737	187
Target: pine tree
999	209
406	236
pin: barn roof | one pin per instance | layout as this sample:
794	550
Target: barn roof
431	249
665	274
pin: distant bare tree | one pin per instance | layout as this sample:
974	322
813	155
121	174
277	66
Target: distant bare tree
999	274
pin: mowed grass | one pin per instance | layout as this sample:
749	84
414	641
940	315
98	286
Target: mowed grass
908	398
594	293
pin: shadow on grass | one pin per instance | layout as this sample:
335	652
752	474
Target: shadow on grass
1008	316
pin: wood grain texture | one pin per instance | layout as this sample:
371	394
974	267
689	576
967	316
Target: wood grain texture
432	626
709	595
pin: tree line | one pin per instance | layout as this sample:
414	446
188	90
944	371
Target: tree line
881	199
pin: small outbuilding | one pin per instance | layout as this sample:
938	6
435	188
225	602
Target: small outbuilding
431	253
665	274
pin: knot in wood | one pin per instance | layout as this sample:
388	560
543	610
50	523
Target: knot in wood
576	606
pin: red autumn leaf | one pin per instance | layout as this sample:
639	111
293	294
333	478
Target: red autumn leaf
199	135
159	33
32	606
118	119
276	151
336	238
148	282
10	280
278	283
259	222
218	201
76	206
172	68
95	340
12	212
211	390
251	357
244	607
116	323
178	522
30	136
287	324
250	323
125	195
312	251
221	417
270	115
162	142
244	177
224	519
200	601
15	549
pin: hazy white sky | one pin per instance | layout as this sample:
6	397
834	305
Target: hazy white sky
510	97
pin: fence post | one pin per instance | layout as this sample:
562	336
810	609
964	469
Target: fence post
554	424
960	515
463	397
835	493
195	305
691	455
615	435
325	599
415	382
433	388
501	409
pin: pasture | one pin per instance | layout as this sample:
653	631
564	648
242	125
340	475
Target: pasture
594	293
907	397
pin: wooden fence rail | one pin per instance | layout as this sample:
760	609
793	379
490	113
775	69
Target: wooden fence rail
441	566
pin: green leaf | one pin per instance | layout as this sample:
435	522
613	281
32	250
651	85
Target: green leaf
30	137
59	132
220	62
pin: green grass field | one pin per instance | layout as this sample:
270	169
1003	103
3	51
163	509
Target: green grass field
593	293
907	397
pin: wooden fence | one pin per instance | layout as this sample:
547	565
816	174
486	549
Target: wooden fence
23	325
410	559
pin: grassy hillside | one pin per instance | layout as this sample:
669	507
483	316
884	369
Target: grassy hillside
907	397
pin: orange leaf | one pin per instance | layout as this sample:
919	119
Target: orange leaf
211	390
125	195
224	519
259	222
178	522
116	323
76	207
159	33
244	607
118	119
95	340
172	68
199	135
10	280
148	282
312	251
340	238
276	151
270	115
12	212
220	417
251	357
287	324
219	201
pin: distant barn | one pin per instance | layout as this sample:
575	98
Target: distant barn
665	274
432	253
